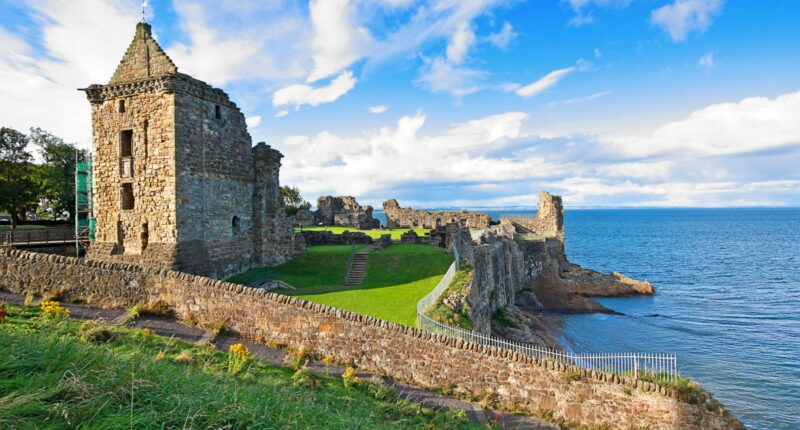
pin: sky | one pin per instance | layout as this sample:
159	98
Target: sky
459	103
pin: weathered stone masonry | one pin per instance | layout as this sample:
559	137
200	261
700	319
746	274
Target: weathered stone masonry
397	351
417	218
176	182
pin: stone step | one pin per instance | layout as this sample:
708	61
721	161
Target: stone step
357	268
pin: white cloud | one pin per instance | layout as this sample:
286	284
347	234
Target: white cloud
598	53
544	83
440	75
282	114
81	44
460	43
502	38
579	7
716	157
327	163
338	39
241	40
706	62
579	100
299	94
753	124
378	109
685	16
253	121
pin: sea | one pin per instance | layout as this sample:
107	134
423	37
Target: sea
727	299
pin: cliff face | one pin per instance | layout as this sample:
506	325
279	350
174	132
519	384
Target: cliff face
521	265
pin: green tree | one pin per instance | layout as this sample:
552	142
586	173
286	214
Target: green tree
18	185
57	173
292	200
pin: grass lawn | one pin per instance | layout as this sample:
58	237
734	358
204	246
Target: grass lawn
397	278
52	377
23	226
318	266
375	234
531	238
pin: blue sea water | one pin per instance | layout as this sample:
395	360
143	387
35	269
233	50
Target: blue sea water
727	299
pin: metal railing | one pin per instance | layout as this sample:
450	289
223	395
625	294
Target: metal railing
36	236
662	367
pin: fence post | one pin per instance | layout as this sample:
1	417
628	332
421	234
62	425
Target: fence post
636	366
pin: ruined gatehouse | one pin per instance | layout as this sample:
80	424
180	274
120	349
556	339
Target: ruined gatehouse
177	182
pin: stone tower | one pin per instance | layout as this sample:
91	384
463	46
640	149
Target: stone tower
177	183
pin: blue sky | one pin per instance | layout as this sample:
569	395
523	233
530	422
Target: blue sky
460	102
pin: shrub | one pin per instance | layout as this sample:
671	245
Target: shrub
297	357
501	316
159	307
304	377
382	392
349	378
132	314
573	376
238	354
93	332
328	362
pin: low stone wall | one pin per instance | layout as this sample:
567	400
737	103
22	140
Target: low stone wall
317	238
405	353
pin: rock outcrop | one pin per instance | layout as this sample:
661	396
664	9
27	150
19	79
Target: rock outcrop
520	266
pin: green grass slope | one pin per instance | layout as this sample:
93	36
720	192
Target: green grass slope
397	278
375	234
52	379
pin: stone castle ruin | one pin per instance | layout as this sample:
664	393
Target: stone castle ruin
177	182
344	211
399	217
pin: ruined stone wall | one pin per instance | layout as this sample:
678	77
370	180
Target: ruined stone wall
398	217
273	234
214	189
344	211
549	221
432	361
201	199
145	234
317	238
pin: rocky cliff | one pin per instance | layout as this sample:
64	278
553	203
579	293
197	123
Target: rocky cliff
521	267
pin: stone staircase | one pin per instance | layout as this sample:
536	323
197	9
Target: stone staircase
357	268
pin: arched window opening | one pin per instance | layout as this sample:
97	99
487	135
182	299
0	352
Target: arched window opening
235	225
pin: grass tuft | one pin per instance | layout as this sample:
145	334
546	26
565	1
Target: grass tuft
50	379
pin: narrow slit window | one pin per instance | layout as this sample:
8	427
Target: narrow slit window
235	225
144	136
126	143
217	112
122	106
126	196
145	236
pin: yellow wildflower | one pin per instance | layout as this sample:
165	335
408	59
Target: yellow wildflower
240	350
53	309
